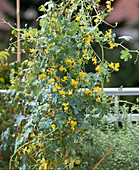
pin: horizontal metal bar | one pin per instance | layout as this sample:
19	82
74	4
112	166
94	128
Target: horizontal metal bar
131	117
114	91
3	91
123	92
112	118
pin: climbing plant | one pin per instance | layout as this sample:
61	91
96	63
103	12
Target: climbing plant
55	99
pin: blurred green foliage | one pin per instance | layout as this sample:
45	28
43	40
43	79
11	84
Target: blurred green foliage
126	77
97	140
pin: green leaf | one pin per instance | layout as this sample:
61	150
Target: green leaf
125	55
45	106
3	56
137	99
73	152
77	160
42	8
18	142
71	165
32	32
28	131
2	80
14	32
44	124
127	38
16	162
19	119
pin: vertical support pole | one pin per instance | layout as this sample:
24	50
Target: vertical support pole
18	33
116	106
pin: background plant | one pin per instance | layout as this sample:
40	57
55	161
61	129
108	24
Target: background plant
6	112
95	143
52	91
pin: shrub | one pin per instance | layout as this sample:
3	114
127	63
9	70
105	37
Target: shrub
55	98
95	143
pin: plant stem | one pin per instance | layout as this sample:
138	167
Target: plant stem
102	51
10	163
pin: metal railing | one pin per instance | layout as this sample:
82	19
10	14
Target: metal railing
3	91
116	92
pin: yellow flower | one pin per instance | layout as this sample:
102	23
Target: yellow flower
88	7
50	70
70	92
68	60
98	68
81	74
108	34
26	34
94	60
24	150
51	80
108	5
32	135
61	68
45	166
87	58
39	144
42	161
88	91
65	108
64	79
108	2
96	20
96	88
54	20
114	66
57	78
111	65
117	65
73	123
71	1
65	105
111	44
42	76
77	18
39	155
98	99
56	87
74	83
71	63
99	92
88	40
86	80
31	50
85	51
62	92
53	126
97	0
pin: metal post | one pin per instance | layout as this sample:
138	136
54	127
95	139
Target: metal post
116	106
18	33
